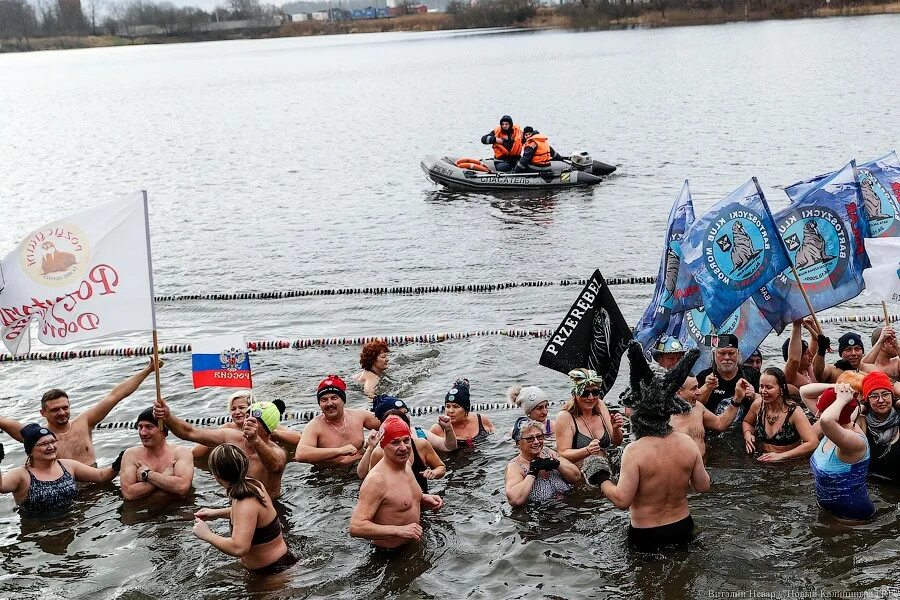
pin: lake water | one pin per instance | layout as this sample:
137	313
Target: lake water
293	164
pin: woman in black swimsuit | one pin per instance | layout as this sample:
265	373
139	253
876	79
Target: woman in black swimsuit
470	429
255	529
778	426
585	427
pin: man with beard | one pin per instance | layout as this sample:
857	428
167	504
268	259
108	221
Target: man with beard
726	372
336	436
661	465
73	435
156	467
390	500
267	459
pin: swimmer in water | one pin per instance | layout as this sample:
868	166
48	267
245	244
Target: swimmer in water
535	406
585	427
537	474
238	403
155	467
256	536
390	500
699	419
336	436
374	362
470	429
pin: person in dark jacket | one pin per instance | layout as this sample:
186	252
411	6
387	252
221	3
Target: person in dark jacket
506	140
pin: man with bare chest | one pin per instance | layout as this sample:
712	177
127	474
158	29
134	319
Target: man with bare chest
390	500
73	435
267	459
155	468
699	419
336	436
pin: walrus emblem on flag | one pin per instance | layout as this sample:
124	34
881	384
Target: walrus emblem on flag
232	359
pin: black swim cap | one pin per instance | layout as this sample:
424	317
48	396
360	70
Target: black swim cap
31	433
147	417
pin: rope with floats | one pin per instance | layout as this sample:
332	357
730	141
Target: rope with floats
395	340
305	416
400	289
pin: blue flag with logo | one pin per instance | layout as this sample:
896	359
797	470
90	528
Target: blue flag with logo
879	183
694	330
675	290
823	232
732	250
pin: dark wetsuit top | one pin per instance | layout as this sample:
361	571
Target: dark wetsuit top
786	436
418	465
581	441
479	437
49	498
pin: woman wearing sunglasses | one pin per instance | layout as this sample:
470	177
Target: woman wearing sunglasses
537	474
585	426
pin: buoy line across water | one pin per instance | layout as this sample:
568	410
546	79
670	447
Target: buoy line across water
394	340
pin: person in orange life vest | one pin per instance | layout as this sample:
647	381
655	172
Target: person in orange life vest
536	152
507	142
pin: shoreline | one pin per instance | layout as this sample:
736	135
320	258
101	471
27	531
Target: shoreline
546	18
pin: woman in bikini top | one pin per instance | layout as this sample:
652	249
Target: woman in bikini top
585	426
470	428
792	438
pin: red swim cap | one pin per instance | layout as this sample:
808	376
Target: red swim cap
828	398
393	428
876	380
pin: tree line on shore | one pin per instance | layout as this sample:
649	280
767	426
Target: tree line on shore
24	19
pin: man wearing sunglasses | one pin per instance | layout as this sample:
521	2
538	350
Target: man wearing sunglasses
721	379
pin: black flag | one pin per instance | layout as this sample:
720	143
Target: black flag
593	335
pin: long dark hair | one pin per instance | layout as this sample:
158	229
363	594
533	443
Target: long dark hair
781	378
230	464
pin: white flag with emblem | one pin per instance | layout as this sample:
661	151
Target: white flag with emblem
81	277
883	278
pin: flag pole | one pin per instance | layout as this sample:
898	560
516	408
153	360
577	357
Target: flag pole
805	297
152	306
884	310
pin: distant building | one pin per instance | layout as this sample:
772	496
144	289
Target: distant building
299	17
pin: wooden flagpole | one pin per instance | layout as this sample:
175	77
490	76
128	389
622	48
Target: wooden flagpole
884	310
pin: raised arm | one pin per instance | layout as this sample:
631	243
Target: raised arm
822	372
98	412
714	422
710	383
851	447
368	459
872	355
444	439
200	435
810	393
12	428
270	455
795	351
283	435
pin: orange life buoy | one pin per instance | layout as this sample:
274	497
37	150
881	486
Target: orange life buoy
472	164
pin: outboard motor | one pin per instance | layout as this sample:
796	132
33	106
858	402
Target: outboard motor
582	161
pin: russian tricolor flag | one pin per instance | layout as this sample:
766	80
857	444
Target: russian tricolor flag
221	361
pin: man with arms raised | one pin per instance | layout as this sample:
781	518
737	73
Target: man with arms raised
390	500
156	467
696	421
884	353
721	379
267	459
73	435
850	349
661	465
336	436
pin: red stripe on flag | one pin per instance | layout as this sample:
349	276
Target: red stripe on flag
239	379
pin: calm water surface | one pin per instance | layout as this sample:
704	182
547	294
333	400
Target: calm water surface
293	163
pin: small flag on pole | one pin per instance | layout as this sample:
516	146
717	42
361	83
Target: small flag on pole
221	361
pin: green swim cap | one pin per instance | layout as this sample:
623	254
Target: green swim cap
266	413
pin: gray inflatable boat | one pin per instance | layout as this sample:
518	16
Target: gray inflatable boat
578	170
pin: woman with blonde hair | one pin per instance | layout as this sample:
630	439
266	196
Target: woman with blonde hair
256	536
585	427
